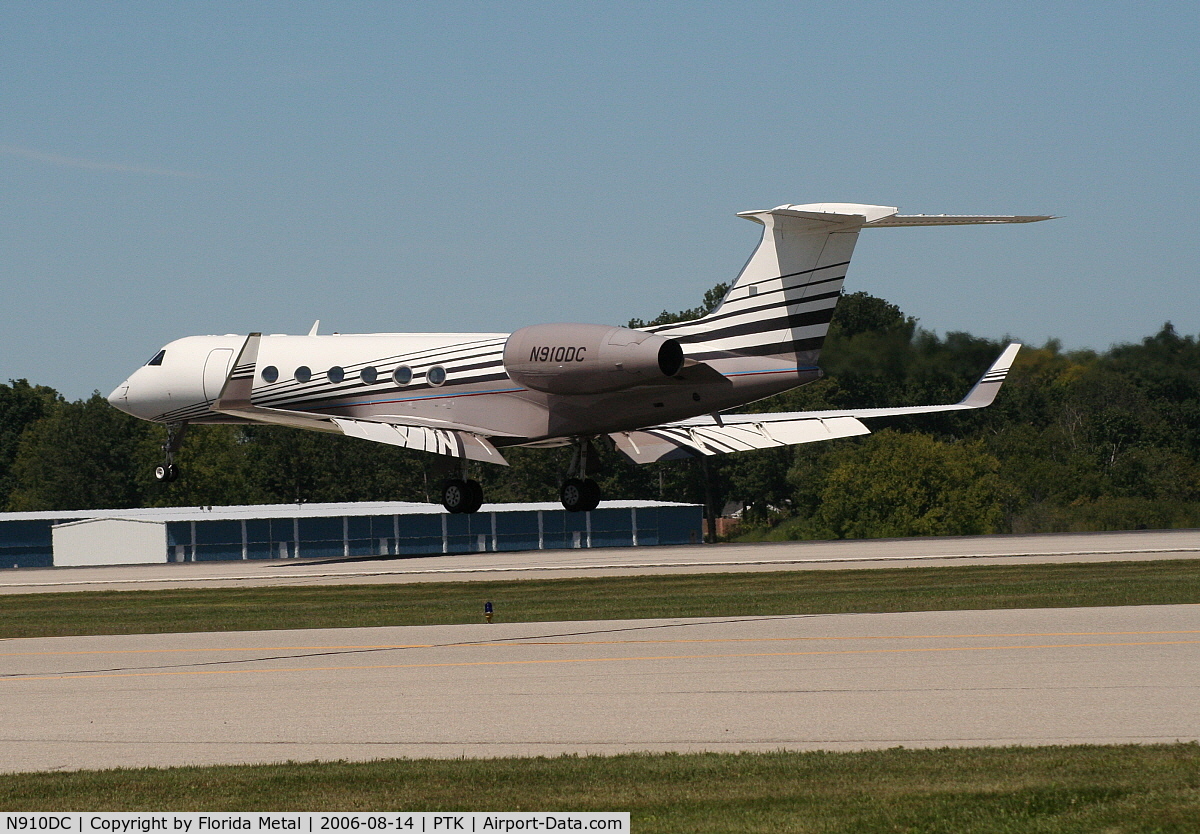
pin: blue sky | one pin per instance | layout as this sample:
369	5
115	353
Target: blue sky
169	169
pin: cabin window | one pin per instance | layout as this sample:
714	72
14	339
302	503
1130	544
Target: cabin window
402	375
303	373
336	374
369	375
436	375
158	357
270	373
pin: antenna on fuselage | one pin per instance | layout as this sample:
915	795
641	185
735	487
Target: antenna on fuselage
316	324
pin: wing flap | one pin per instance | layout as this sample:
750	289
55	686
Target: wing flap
451	442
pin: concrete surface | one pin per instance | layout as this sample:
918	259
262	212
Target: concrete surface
837	682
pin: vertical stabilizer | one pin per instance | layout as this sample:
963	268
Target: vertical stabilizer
783	299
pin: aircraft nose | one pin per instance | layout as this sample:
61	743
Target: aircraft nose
119	398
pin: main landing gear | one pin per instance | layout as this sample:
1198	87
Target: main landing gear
462	495
167	471
579	493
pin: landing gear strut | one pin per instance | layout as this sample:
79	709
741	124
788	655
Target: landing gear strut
461	494
579	493
167	471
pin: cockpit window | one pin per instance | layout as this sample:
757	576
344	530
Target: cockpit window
158	357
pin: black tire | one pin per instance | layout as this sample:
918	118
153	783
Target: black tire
576	496
591	494
474	496
166	473
456	495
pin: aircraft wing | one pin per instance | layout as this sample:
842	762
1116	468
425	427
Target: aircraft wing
718	434
451	439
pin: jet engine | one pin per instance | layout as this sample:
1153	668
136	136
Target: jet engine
589	358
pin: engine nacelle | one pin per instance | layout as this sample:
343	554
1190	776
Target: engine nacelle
589	358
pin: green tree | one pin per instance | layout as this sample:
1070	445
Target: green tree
712	298
909	484
81	455
21	406
216	466
291	465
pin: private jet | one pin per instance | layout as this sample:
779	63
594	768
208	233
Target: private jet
654	393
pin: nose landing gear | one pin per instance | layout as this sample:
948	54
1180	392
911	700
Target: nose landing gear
167	471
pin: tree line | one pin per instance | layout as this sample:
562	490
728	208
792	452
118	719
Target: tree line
1076	440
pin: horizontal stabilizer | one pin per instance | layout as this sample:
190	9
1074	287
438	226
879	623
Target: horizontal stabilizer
955	219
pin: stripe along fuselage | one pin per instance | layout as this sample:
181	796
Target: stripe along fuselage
379	375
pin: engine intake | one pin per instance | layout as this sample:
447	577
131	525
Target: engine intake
589	358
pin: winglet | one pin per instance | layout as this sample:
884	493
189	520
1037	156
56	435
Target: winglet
235	393
988	386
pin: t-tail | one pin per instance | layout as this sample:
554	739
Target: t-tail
783	300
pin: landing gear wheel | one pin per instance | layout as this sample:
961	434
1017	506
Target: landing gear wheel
475	491
459	496
591	494
580	495
167	471
454	495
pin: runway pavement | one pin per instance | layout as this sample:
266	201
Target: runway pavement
869	553
837	682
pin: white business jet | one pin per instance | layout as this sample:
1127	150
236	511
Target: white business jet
656	393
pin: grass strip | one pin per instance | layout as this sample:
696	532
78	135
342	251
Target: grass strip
628	597
1044	789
